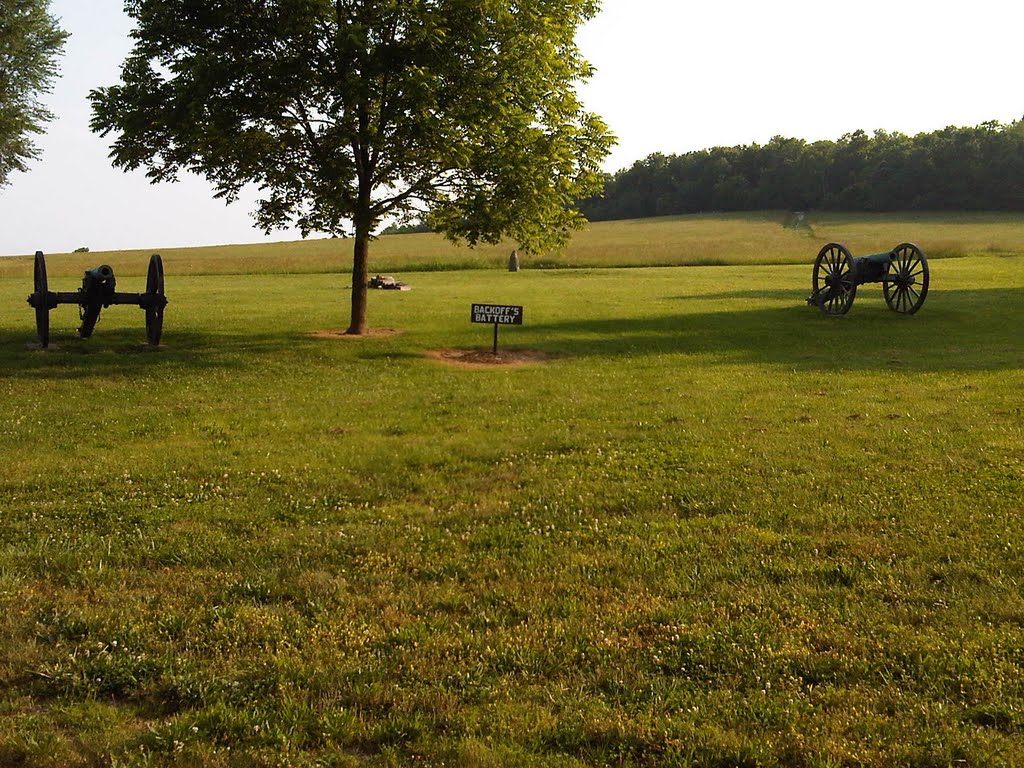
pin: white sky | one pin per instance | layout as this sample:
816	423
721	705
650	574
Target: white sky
672	77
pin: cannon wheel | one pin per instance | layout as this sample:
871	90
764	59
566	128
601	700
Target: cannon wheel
155	310
906	280
42	303
832	282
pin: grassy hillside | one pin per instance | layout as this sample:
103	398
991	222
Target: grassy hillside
715	528
670	241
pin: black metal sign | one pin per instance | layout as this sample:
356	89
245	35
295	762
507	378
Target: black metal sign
500	314
497	314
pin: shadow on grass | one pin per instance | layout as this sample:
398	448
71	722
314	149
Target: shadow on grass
389	356
770	294
955	330
126	353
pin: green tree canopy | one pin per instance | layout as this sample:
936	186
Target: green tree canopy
30	44
347	112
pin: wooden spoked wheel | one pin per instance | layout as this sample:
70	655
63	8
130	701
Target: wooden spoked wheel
906	280
832	283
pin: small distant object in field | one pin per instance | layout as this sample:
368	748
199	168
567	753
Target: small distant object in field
513	261
83	249
387	283
798	220
903	273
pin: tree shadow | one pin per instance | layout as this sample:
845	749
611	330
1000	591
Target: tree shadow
125	353
770	294
957	330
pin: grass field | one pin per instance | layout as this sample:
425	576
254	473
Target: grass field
714	528
713	239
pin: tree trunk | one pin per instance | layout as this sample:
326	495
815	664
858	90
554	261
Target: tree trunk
360	255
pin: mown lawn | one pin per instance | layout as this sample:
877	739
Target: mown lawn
715	528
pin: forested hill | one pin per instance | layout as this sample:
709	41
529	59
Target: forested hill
980	168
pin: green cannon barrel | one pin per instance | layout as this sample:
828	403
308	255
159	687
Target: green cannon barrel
98	284
879	258
102	272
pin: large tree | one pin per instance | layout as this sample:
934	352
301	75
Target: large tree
347	112
30	44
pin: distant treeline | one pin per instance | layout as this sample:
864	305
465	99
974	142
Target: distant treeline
979	168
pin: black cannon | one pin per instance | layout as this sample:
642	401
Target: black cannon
903	273
97	292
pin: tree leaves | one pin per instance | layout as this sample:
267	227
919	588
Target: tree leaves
349	112
30	45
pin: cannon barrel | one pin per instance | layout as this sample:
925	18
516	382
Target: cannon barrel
101	274
97	292
98	286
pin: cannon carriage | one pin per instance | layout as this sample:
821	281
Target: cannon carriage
98	292
903	273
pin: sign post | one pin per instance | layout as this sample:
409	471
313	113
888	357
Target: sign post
498	314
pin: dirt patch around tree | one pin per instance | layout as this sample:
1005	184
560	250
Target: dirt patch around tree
486	358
